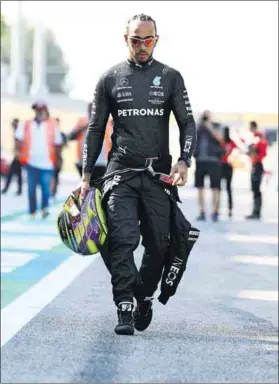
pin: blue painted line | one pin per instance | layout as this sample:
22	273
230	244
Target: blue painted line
47	260
39	267
30	273
36	269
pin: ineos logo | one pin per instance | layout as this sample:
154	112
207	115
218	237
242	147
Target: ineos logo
174	271
124	82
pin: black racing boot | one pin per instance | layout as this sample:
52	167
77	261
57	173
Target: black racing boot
125	324
143	314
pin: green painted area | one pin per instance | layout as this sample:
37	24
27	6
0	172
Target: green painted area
12	216
60	248
11	289
16	283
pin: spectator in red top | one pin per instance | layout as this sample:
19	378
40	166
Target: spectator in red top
227	169
257	152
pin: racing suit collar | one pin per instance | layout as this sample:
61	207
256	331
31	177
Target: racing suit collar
134	64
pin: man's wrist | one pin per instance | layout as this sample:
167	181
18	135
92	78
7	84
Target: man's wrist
187	162
85	177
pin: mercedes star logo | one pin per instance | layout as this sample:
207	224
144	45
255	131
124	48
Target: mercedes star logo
124	82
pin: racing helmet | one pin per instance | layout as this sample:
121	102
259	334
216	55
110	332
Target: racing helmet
82	226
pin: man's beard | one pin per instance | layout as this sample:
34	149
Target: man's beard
146	57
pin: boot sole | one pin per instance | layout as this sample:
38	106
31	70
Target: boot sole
127	330
140	327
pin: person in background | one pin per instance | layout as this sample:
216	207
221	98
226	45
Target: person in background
15	167
227	168
58	166
78	134
257	152
208	154
38	148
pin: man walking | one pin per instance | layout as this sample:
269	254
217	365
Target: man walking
140	94
39	149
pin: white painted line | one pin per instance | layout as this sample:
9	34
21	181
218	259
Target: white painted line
12	260
259	295
271	220
241	218
28	305
53	213
29	243
252	239
37	220
17	227
260	260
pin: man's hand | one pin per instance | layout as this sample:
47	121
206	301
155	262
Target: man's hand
179	173
84	186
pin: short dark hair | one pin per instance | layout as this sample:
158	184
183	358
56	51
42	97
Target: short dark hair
253	124
141	17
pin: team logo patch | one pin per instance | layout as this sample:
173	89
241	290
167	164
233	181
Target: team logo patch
124	82
157	80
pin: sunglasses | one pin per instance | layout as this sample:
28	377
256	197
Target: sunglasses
137	42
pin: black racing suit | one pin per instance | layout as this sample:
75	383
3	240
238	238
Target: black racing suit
140	100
